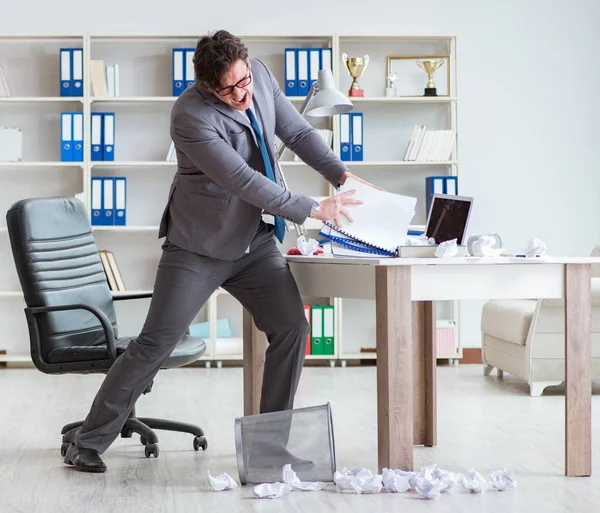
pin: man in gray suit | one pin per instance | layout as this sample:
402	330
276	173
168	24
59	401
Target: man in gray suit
223	129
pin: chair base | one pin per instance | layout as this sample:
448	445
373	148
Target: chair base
144	427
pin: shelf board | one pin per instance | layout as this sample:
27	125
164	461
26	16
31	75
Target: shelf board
403	99
131	228
116	293
133	99
134	163
381	163
32	164
15	358
396	163
41	99
358	356
43	37
321	357
292	163
11	293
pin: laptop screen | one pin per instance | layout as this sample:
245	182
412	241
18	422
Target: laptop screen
448	218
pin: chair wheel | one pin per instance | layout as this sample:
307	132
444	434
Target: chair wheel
63	449
151	449
200	441
143	440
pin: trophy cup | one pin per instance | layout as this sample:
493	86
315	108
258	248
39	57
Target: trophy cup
430	67
390	90
356	67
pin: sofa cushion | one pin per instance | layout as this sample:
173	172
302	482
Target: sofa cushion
508	319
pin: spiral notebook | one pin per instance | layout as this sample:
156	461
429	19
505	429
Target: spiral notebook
381	222
346	246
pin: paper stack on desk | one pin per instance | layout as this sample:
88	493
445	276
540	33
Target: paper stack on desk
380	224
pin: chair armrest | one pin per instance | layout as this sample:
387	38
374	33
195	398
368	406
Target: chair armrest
111	346
134	295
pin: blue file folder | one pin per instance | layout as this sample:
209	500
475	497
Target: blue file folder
439	185
345	137
108	136
326	59
178	71
97	136
291	72
303	71
76	72
96	200
77	137
108	200
66	137
190	75
65	72
314	65
120	202
451	185
357	136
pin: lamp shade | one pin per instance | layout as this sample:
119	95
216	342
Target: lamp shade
328	101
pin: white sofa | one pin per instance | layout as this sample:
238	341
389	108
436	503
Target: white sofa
526	337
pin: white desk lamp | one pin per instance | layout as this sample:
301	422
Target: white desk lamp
323	100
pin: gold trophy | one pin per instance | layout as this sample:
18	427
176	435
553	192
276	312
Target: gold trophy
356	67
430	67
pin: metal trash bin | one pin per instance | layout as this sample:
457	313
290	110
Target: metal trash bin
302	437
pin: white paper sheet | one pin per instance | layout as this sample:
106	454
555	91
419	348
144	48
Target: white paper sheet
383	218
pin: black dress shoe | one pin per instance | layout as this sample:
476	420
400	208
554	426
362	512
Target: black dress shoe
86	460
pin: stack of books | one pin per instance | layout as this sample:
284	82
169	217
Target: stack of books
113	275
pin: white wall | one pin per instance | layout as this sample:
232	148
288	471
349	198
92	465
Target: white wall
528	90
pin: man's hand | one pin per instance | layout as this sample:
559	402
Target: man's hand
348	174
332	207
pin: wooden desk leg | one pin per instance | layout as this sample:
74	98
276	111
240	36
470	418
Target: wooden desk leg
394	367
424	372
578	386
255	345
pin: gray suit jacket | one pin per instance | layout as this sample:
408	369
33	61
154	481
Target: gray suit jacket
219	191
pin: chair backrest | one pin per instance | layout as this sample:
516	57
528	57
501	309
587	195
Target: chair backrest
57	262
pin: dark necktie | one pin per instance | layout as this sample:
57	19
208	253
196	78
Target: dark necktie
279	221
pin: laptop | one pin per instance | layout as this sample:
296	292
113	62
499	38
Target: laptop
448	218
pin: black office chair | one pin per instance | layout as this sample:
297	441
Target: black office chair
70	313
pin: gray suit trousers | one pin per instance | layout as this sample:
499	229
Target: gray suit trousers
260	280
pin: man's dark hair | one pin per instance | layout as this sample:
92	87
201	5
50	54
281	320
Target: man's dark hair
215	53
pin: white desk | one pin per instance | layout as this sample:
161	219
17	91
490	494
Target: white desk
405	290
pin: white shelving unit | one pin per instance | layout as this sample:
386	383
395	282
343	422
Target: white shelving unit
31	65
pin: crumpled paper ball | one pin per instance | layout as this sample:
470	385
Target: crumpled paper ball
305	247
503	480
535	247
484	246
474	482
290	477
446	249
420	240
222	482
357	480
271	490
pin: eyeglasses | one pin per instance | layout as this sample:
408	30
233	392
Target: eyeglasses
224	91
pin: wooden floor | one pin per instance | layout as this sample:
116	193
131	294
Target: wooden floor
484	423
